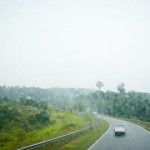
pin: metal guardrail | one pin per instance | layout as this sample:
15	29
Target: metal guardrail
57	139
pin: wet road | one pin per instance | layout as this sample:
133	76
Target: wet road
136	138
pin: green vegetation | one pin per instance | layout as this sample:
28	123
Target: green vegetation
34	103
31	115
131	105
60	97
142	124
80	141
12	113
145	125
7	114
24	125
99	84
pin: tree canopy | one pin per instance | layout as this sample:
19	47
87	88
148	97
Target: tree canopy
99	84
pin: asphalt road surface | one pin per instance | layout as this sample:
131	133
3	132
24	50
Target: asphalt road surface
136	138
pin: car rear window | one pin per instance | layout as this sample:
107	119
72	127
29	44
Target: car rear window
120	126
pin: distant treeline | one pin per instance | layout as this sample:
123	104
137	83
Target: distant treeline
128	105
122	104
60	97
26	102
27	107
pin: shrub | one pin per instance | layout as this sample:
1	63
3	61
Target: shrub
32	120
42	117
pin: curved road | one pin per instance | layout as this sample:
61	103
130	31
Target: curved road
136	138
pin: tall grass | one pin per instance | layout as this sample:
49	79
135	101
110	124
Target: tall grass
62	122
80	141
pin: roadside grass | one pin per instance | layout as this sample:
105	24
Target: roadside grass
80	141
63	122
145	125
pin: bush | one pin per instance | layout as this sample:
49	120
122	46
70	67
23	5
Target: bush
30	102
7	115
42	117
32	120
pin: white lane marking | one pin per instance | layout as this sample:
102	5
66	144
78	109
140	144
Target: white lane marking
99	138
129	122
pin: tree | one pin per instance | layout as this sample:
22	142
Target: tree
121	88
99	84
42	117
7	115
32	120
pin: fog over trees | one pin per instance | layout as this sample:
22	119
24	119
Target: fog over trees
124	104
99	84
60	97
132	105
25	110
64	58
121	88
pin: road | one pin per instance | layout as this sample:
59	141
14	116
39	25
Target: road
136	138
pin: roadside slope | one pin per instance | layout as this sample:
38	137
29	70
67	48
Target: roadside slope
135	137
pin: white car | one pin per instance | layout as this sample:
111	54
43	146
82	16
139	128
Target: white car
120	129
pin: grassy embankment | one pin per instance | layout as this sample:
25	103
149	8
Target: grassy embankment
145	125
79	141
21	133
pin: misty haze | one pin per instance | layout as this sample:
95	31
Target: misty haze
74	75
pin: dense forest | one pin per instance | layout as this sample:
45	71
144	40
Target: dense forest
132	104
122	104
60	97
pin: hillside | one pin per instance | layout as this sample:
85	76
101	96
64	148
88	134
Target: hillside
25	124
60	97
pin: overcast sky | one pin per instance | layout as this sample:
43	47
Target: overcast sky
74	43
